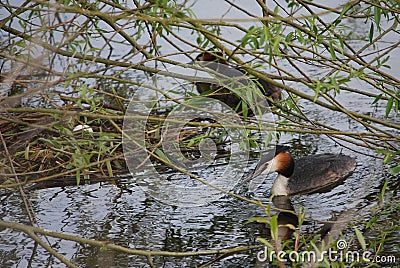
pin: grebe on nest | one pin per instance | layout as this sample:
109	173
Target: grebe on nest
224	94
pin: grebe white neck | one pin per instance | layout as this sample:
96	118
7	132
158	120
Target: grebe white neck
280	186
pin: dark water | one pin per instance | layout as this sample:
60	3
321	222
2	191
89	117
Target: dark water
126	216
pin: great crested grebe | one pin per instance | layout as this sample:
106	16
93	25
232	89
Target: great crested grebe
309	174
224	94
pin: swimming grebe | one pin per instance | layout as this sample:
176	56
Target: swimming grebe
224	94
309	174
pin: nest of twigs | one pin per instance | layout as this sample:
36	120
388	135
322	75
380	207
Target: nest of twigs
44	148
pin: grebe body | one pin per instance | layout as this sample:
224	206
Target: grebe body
309	174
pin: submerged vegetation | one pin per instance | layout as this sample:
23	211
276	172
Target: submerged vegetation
70	69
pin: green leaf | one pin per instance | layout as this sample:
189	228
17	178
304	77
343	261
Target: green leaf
300	37
395	170
341	46
389	106
274	227
382	193
388	158
275	46
265	242
371	222
174	92
109	169
377	99
289	37
315	29
371	32
290	226
332	50
317	89
162	155
377	16
360	238
78	177
258	219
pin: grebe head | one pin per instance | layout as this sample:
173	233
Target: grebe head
281	162
214	56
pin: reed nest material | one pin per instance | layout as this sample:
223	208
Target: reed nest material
46	152
44	149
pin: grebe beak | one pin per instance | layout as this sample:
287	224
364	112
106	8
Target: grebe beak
261	167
